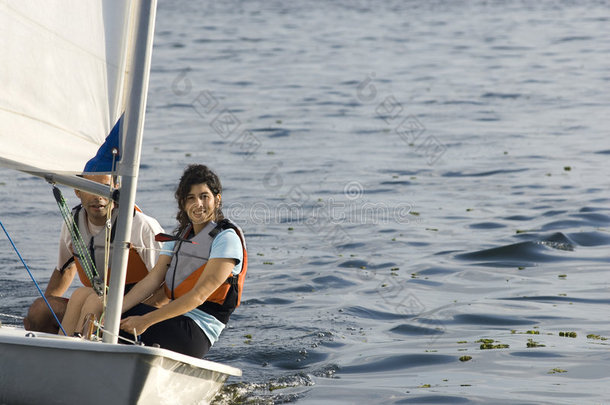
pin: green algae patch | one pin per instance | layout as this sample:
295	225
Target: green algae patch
532	343
488	344
529	332
596	337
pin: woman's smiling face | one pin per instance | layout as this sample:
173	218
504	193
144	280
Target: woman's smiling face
200	205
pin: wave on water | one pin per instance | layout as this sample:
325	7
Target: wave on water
483	174
16	296
541	248
374	364
520	254
436	399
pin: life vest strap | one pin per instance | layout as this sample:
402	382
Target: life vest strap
66	264
220	226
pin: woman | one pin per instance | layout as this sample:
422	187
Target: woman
203	271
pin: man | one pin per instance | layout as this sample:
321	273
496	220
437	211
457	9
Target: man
90	217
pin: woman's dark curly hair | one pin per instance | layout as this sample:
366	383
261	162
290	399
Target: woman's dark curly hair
196	174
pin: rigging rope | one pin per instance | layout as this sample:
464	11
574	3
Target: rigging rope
100	327
80	248
33	279
11	316
108	241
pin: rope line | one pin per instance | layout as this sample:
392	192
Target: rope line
133	342
108	237
33	279
78	243
11	316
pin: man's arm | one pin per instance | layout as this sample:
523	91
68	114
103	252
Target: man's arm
60	281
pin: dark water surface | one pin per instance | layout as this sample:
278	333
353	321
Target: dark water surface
412	177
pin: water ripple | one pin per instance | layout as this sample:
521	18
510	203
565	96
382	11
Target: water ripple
483	174
376	364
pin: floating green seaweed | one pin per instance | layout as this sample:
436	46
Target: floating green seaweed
532	343
529	332
487	344
596	337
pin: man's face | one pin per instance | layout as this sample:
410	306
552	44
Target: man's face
95	206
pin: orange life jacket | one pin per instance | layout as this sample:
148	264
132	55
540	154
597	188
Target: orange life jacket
189	262
136	269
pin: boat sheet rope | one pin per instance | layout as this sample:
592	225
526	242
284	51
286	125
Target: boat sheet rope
32	277
11	316
108	236
79	246
108	241
100	327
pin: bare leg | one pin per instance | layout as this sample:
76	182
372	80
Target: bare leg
73	311
92	305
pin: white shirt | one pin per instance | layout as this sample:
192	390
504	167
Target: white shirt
143	231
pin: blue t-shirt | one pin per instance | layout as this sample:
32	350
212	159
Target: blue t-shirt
226	245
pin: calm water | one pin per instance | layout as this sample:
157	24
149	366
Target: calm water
413	176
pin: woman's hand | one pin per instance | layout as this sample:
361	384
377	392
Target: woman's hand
135	324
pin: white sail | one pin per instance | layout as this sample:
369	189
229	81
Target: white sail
62	75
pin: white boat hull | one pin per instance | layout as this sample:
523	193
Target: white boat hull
46	369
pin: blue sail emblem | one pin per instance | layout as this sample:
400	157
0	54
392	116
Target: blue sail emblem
108	154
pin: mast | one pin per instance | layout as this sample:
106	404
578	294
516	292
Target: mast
142	38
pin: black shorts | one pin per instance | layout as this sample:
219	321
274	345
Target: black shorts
180	334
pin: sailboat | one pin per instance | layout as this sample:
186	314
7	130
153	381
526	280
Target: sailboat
72	71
